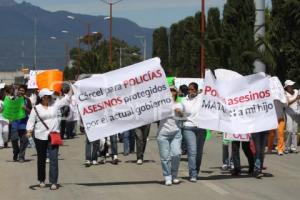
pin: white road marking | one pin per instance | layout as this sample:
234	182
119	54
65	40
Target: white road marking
215	188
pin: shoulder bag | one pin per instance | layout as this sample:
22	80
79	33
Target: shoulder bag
55	138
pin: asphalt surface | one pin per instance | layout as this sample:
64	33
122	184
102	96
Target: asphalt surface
133	182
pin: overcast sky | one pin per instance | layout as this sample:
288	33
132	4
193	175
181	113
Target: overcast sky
147	13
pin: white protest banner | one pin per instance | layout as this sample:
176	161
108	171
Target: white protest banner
123	99
186	81
2	85
225	74
277	90
237	137
242	105
32	79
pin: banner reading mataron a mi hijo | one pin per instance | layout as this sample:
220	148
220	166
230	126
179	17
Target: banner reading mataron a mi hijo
243	105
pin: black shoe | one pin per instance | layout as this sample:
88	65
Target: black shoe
235	172
5	145
15	158
257	174
115	161
250	172
21	160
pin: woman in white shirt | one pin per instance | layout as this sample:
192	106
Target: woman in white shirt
169	144
292	116
49	111
194	136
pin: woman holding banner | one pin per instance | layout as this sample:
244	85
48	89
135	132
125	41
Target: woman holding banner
194	136
169	142
43	119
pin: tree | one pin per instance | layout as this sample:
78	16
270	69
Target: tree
94	59
238	36
161	46
213	39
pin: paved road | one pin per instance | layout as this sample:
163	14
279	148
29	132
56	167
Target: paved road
132	182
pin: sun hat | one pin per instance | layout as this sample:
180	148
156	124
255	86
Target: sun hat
288	83
45	92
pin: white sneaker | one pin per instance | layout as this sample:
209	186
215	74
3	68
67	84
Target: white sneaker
139	162
176	181
193	179
225	167
47	160
95	162
168	183
42	185
53	187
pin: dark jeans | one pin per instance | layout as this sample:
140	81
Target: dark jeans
225	156
128	142
41	147
259	140
16	136
114	144
63	128
91	149
236	155
70	126
141	135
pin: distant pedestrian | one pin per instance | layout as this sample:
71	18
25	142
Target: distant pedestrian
292	116
141	134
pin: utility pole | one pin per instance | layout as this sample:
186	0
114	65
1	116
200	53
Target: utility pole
67	54
259	29
202	31
110	3
144	44
35	43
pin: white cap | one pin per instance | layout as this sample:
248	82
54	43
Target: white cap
45	92
288	83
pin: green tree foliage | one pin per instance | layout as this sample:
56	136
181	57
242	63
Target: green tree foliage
161	46
213	39
93	56
238	36
284	40
185	47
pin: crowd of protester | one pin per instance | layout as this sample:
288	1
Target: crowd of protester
47	111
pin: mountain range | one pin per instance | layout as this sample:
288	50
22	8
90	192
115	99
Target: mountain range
17	35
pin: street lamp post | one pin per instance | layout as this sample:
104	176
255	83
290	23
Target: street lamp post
35	43
67	58
110	3
79	52
202	31
144	44
88	27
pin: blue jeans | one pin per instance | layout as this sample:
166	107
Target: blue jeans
260	140
128	142
195	138
41	147
18	133
170	150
